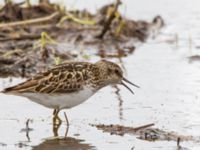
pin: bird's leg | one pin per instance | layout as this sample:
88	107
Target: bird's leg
55	130
56	122
55	117
54	112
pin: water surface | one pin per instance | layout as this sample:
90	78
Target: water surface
169	94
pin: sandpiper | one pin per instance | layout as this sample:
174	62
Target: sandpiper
69	84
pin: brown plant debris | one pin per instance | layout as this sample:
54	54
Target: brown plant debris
146	132
35	37
193	58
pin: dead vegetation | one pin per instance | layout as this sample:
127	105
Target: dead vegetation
146	132
31	36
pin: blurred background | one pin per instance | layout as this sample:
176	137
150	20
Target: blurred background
165	63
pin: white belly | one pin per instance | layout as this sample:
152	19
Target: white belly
60	101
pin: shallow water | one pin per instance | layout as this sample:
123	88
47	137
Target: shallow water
169	94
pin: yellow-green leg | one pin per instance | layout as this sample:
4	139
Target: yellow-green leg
56	119
56	122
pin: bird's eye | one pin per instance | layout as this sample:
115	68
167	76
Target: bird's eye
118	72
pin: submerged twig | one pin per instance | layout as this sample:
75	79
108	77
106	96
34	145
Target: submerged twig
120	104
143	127
178	141
67	125
27	129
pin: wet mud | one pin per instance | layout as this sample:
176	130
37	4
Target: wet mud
146	132
33	36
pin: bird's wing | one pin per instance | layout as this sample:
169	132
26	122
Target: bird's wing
65	78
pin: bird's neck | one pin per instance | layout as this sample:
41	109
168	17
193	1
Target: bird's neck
103	80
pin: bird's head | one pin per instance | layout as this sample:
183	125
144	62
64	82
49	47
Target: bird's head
112	74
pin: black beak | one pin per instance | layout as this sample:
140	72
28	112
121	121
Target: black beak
122	83
130	82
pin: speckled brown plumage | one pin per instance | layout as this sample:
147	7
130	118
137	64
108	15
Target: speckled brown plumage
72	77
64	78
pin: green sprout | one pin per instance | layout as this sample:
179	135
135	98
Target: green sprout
57	60
84	54
10	53
69	16
44	40
7	1
28	3
119	27
118	18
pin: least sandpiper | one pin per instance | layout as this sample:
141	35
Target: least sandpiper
69	84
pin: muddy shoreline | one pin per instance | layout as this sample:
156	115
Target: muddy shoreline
33	36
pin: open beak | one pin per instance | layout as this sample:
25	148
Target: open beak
122	83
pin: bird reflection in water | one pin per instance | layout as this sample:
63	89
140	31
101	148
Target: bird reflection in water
56	126
63	144
57	141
